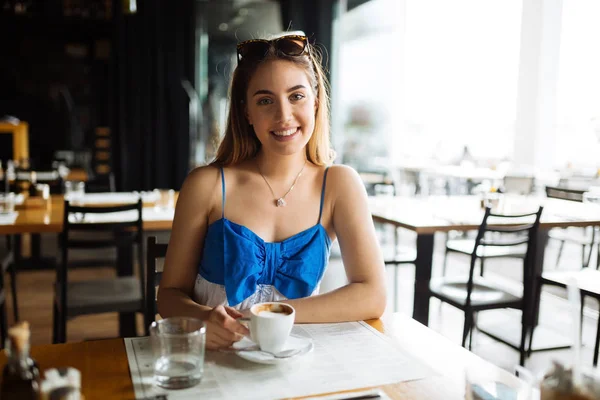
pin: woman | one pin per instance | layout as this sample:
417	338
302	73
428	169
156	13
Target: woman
256	225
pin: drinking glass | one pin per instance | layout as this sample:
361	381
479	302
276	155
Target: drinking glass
74	191
481	384
178	346
165	199
7	203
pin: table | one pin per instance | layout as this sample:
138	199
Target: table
428	215
49	219
105	371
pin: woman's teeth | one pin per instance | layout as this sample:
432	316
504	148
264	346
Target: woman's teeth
286	133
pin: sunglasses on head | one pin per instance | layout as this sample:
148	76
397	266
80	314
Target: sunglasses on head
257	49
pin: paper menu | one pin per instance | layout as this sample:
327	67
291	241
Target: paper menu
349	355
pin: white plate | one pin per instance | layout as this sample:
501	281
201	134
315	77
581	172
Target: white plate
294	342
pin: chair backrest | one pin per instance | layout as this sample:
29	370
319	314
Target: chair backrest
123	223
518	184
508	232
557	192
154	251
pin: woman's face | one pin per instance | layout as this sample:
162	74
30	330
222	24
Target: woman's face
281	106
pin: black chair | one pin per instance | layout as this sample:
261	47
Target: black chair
464	245
588	283
154	251
475	294
123	294
583	237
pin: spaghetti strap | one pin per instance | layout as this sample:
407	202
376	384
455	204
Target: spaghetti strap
223	193
323	194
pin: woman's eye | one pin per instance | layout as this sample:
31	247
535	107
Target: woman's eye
263	102
297	96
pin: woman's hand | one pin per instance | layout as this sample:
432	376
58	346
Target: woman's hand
222	328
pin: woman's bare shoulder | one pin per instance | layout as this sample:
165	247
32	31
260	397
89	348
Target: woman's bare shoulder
343	179
201	183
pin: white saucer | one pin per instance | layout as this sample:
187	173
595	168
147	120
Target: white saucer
294	342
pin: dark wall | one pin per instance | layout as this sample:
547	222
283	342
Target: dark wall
155	52
52	76
68	71
314	17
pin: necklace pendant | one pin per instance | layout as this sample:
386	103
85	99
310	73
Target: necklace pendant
281	202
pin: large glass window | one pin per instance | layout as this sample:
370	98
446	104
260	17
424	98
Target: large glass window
461	75
440	76
578	104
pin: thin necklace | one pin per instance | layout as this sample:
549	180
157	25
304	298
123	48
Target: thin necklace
280	202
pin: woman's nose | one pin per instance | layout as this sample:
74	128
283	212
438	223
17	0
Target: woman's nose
284	112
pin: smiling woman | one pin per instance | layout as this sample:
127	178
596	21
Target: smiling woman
257	224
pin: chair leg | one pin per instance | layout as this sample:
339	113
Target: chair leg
560	249
583	263
55	330
59	325
598	257
445	263
597	345
481	266
537	298
396	288
467	326
523	351
12	269
473	325
63	327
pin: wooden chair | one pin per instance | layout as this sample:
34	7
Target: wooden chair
473	294
583	237
154	251
587	281
122	294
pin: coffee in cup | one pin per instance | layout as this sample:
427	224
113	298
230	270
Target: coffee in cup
271	324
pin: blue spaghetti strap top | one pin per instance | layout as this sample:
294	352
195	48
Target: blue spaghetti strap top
240	260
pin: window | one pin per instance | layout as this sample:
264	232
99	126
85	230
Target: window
578	92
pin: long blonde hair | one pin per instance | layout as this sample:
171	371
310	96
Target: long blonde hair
240	142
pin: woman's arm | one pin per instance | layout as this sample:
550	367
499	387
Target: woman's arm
181	263
364	297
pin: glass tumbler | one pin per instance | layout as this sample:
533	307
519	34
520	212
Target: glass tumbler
165	199
7	203
178	346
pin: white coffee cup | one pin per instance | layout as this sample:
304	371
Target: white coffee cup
271	324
